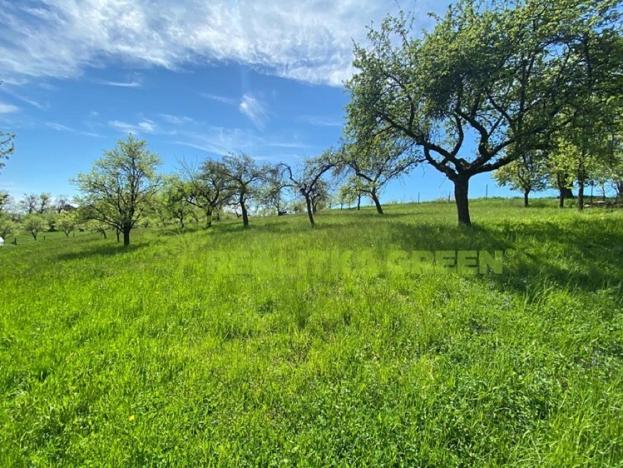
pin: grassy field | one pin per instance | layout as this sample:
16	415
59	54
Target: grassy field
258	346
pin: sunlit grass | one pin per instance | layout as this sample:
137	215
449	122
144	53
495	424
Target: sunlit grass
219	347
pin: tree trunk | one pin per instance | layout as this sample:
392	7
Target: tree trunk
525	198
118	233
34	235
245	216
461	189
580	194
358	202
377	203
126	236
310	211
209	218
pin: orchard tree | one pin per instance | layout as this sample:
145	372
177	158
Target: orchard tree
207	188
173	200
527	174
120	186
376	161
34	224
492	72
5	201
308	182
243	177
67	222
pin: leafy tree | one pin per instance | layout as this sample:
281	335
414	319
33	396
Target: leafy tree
173	199
242	179
120	186
67	222
376	161
502	73
308	181
271	192
5	201
7	226
208	188
527	174
34	223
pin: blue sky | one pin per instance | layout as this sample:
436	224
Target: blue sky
196	79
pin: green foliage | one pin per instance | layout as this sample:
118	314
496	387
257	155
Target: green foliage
67	222
120	186
256	347
34	224
528	173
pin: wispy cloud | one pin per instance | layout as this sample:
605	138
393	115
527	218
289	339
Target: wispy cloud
121	84
64	128
253	109
145	126
177	119
321	121
221	99
309	41
7	108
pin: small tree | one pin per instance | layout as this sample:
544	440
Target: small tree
376	161
67	222
527	174
242	178
34	224
308	181
208	188
120	186
7	226
173	200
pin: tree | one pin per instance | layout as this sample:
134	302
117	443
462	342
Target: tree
7	226
271	193
34	224
207	188
67	222
348	192
527	174
173	199
120	186
376	161
502	74
5	201
242	179
308	181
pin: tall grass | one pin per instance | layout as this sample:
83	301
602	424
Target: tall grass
259	347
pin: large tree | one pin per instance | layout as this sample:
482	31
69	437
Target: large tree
120	186
493	74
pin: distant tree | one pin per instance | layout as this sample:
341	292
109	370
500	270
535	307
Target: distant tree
209	188
29	203
5	201
527	174
308	180
120	186
7	226
67	222
173	199
34	224
348	192
376	161
492	72
271	191
243	177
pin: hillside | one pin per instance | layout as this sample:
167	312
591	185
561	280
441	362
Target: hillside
281	344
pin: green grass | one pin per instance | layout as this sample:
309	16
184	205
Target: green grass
247	347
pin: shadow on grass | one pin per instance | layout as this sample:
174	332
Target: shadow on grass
107	250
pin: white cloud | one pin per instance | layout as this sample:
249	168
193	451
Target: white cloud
7	108
309	41
64	128
254	109
145	126
121	84
221	99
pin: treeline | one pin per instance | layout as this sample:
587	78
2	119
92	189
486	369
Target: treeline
530	90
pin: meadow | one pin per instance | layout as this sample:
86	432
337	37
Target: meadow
254	347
